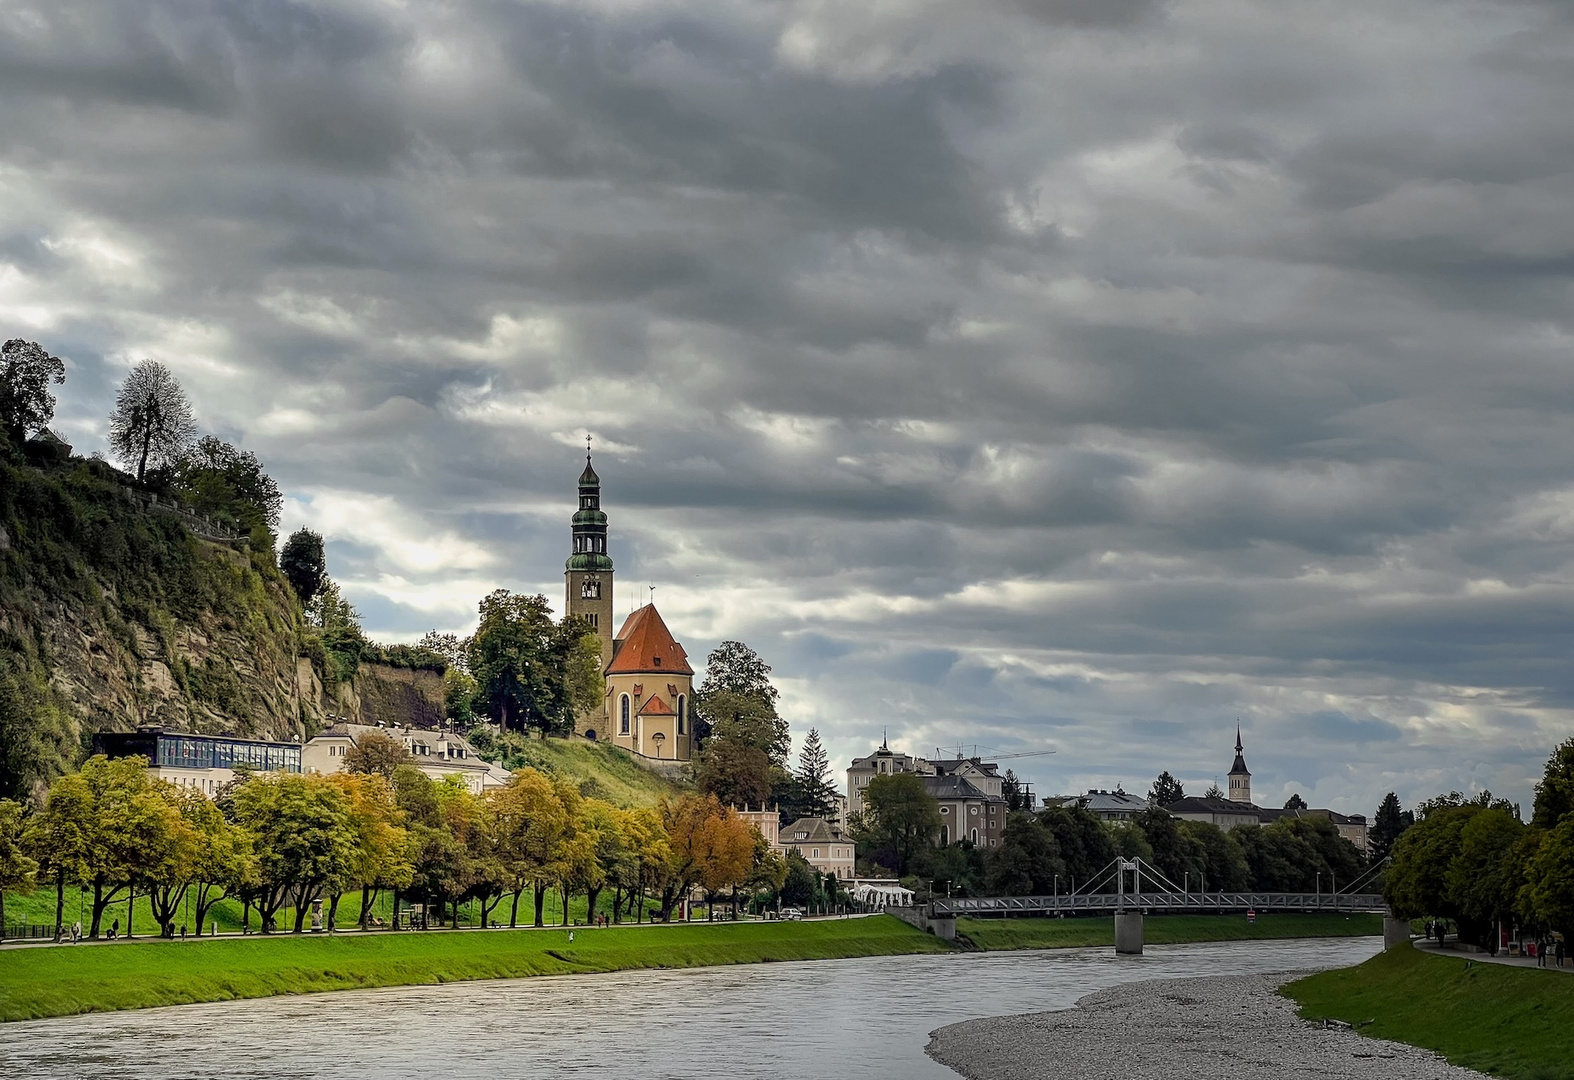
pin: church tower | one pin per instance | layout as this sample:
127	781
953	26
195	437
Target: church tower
1240	778
588	572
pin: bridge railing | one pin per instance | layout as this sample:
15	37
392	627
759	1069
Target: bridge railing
1160	902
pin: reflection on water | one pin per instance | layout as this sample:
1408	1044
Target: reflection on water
846	1018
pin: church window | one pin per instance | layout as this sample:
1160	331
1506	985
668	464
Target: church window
682	713
975	836
945	809
945	832
590	589
623	715
595	620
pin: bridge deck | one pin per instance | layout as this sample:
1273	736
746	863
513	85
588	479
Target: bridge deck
1103	903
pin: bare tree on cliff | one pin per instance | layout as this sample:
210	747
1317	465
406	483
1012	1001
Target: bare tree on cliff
152	423
26	371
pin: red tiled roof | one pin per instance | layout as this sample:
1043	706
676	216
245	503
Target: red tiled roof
656	707
646	645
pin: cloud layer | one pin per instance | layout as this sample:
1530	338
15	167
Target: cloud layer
1041	374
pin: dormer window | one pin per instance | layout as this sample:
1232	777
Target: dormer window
656	660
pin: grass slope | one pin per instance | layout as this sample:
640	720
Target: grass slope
597	768
1045	933
59	981
1512	1022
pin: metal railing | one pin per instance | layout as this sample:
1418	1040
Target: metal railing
1101	903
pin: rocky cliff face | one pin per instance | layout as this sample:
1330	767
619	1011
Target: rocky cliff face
114	614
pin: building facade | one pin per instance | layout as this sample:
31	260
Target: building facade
822	845
202	762
648	685
437	754
883	762
587	575
1113	806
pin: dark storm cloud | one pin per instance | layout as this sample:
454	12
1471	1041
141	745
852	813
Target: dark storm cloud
1065	375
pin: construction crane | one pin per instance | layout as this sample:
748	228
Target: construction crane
998	757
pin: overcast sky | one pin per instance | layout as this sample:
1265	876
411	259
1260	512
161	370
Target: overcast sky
1074	375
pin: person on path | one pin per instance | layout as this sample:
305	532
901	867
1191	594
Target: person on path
76	931
1557	953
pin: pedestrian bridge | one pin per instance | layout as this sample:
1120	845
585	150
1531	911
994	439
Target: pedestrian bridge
1134	885
1157	903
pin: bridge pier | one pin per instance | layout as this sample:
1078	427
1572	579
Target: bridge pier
1128	933
1395	932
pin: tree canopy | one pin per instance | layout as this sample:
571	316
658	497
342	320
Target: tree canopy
304	564
1166	790
26	371
529	670
229	485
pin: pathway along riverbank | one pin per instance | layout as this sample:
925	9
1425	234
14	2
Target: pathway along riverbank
1234	1026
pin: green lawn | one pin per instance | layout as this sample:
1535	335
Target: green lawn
39	909
596	768
63	980
1047	933
1512	1022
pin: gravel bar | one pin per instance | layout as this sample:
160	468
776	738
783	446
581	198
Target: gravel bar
1234	1027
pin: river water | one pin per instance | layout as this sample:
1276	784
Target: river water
862	1019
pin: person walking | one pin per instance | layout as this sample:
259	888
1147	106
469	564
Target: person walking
76	931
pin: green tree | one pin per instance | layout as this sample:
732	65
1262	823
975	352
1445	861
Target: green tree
224	865
1085	843
1027	862
1176	854
152	423
339	627
1416	885
18	871
1166	790
304	564
1484	876
1295	802
1224	866
1390	821
61	837
534	822
377	754
26	405
900	817
1555	793
303	836
737	773
530	671
737	690
799	885
229	485
814	769
1547	896
33	730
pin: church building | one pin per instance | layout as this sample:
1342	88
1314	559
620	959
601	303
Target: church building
649	685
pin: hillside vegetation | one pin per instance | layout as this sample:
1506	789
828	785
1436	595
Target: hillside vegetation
599	770
115	610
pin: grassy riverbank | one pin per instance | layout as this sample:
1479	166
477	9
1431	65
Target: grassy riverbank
1511	1022
63	980
1046	933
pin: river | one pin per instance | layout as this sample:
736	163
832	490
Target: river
866	1018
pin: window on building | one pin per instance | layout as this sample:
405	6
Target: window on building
623	715
945	809
655	661
973	810
974	836
682	714
816	853
945	832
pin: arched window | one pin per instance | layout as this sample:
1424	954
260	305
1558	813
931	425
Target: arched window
623	715
682	713
975	836
945	835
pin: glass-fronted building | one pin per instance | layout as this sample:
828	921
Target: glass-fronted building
204	762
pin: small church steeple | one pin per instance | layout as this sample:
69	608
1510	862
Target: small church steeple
1240	776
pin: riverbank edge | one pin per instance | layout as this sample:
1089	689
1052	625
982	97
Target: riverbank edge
40	983
43	982
1083	932
1230	1025
1509	1021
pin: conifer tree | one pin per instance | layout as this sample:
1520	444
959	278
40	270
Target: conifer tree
814	767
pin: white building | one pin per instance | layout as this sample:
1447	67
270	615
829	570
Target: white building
437	754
